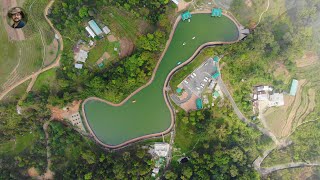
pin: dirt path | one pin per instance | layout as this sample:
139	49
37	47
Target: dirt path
48	174
262	14
55	64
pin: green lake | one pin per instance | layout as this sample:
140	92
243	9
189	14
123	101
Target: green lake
150	114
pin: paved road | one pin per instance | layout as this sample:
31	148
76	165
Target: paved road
241	116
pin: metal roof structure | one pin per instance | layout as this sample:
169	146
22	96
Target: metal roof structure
199	103
82	56
95	27
175	1
78	66
216	12
186	15
106	30
294	87
91	33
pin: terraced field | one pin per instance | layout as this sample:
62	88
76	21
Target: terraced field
22	58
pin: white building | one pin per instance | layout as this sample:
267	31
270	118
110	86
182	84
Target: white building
263	97
82	56
161	149
276	99
176	1
78	66
264	88
106	30
91	33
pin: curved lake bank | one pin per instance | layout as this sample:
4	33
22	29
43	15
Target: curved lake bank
116	125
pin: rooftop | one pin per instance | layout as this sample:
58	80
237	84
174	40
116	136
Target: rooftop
106	30
95	27
186	15
91	33
294	87
161	149
82	56
78	66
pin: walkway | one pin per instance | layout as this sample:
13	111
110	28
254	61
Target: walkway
164	88
34	75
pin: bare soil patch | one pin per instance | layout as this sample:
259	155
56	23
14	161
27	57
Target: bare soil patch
104	56
57	113
51	52
248	3
190	104
281	72
309	58
183	5
111	38
127	47
32	172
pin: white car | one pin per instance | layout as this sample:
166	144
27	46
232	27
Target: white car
194	74
186	81
205	80
198	88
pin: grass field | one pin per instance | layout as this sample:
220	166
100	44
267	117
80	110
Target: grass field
122	23
45	79
102	46
20	59
15	147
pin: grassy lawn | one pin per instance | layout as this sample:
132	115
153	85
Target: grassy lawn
102	46
47	78
121	22
22	142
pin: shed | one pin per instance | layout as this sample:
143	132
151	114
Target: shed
186	15
199	103
78	66
175	1
216	59
179	90
216	12
294	87
106	30
95	27
216	94
91	33
216	75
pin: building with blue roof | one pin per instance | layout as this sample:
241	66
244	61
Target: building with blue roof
186	15
216	12
94	26
294	87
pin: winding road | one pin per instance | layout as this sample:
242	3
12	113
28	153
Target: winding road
34	75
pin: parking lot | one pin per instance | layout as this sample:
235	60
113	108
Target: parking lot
201	77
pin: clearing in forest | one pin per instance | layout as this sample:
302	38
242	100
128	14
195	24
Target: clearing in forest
308	59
